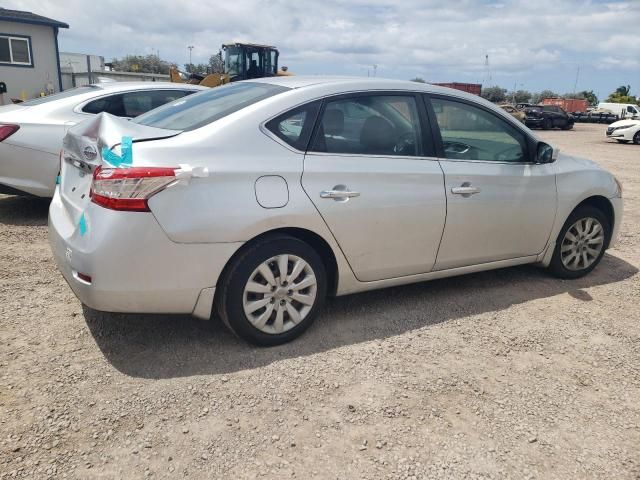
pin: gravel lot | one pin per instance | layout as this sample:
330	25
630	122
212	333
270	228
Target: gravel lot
505	374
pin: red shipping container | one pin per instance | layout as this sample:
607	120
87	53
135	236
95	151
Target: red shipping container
474	88
568	104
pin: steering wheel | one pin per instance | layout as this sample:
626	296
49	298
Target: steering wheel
406	143
511	153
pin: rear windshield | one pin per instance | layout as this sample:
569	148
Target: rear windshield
57	96
203	108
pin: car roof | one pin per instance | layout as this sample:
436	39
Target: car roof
117	86
346	84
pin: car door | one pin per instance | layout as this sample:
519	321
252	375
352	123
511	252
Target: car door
500	205
374	179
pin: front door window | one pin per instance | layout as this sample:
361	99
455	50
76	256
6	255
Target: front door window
471	133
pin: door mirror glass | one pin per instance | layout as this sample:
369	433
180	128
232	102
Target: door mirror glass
546	153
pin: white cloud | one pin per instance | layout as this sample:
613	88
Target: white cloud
440	40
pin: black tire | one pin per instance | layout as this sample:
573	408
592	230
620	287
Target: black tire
230	291
556	266
636	138
568	126
547	124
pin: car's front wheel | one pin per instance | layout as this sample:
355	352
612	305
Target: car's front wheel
636	138
271	293
581	243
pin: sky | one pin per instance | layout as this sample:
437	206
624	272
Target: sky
531	44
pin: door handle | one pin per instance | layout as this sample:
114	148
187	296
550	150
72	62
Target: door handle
339	193
466	190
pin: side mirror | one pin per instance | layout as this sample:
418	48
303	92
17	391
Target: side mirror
546	153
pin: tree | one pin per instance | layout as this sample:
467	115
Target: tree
202	68
623	91
216	63
522	96
538	97
142	64
622	95
494	94
418	80
590	97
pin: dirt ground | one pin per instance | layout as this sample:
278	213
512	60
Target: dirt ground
505	374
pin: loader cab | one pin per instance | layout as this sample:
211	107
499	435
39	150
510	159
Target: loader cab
244	61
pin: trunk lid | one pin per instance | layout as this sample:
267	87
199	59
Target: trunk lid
82	155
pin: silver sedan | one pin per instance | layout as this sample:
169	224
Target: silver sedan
31	132
258	199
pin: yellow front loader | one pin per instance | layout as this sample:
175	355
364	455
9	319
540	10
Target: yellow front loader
242	61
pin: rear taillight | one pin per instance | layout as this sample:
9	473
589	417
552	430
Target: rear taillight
129	189
6	130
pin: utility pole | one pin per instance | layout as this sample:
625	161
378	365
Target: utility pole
375	70
575	85
190	47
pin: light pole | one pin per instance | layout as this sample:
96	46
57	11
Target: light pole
190	47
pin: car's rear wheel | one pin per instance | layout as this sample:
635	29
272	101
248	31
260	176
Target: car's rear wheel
272	292
568	126
581	243
636	138
547	124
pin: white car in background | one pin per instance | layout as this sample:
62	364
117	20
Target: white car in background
625	131
31	132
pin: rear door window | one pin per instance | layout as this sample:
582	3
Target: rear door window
370	125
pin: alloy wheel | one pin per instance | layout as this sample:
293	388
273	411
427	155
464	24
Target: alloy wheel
582	244
280	293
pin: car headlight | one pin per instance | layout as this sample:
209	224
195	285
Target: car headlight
618	187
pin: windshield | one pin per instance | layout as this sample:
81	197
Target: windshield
233	61
203	108
57	96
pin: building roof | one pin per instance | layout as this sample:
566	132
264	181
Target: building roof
20	16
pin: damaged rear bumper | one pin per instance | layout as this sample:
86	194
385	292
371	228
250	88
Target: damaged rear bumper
124	262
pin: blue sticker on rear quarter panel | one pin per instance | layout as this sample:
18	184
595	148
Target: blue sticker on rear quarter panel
126	150
111	158
115	160
82	225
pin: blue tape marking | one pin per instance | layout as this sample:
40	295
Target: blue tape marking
115	160
111	158
58	180
127	150
82	225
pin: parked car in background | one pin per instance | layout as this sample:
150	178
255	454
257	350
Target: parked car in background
623	110
547	117
625	131
31	132
259	198
511	110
